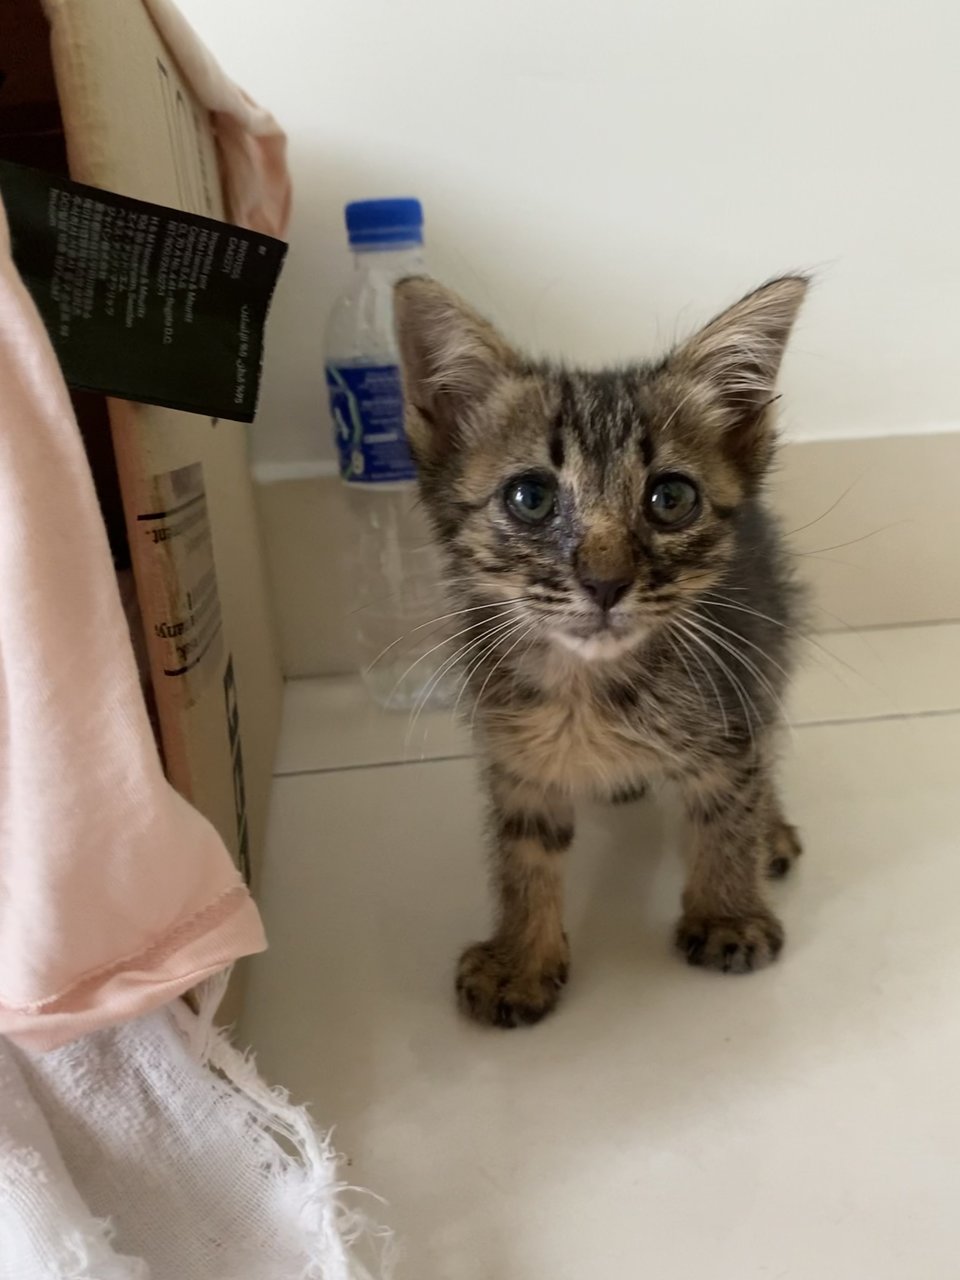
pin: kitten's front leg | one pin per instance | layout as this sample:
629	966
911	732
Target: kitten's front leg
516	978
726	924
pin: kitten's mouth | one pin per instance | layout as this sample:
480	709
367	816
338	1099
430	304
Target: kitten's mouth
598	641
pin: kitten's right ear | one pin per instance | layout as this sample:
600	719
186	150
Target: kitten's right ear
451	360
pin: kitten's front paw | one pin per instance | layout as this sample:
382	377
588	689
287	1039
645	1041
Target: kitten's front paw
732	944
492	989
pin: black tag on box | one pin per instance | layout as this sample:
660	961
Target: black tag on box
141	301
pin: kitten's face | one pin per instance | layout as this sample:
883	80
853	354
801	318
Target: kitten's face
598	503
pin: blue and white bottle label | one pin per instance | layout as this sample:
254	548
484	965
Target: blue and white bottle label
367	406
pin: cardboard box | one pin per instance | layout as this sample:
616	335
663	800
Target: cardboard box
130	124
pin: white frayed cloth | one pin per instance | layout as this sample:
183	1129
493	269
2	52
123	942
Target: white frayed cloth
154	1151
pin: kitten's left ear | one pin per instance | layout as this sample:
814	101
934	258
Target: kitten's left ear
737	357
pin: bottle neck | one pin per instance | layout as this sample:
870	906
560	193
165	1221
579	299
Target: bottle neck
394	262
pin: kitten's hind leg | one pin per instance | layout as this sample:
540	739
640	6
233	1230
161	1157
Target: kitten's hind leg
516	977
726	924
783	845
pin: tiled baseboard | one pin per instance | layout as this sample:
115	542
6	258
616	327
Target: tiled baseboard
875	522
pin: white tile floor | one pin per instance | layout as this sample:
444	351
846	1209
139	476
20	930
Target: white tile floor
802	1123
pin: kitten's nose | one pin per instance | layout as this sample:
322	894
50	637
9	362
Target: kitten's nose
606	591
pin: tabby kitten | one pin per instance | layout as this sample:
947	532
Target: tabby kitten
629	606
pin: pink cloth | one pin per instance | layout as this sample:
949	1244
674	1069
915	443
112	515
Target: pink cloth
115	894
252	144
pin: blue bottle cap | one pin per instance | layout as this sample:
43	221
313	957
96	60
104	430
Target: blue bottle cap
375	224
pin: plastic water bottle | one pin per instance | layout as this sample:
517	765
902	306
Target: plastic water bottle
401	647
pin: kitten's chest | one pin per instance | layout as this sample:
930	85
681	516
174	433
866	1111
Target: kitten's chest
573	739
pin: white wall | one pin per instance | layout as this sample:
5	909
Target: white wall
600	174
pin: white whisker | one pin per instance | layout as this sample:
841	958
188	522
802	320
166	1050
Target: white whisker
699	623
461	653
478	662
735	683
721	603
499	662
852	542
832	507
432	622
713	684
712	622
423	656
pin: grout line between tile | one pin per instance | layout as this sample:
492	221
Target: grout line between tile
936	713
373	764
932	714
923	625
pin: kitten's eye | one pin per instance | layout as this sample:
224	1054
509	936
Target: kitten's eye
531	498
673	501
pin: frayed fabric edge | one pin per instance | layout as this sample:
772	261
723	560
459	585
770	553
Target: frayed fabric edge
333	1229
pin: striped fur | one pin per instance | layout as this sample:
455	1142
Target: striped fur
682	678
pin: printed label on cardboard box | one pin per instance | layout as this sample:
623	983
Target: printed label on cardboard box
141	301
186	622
